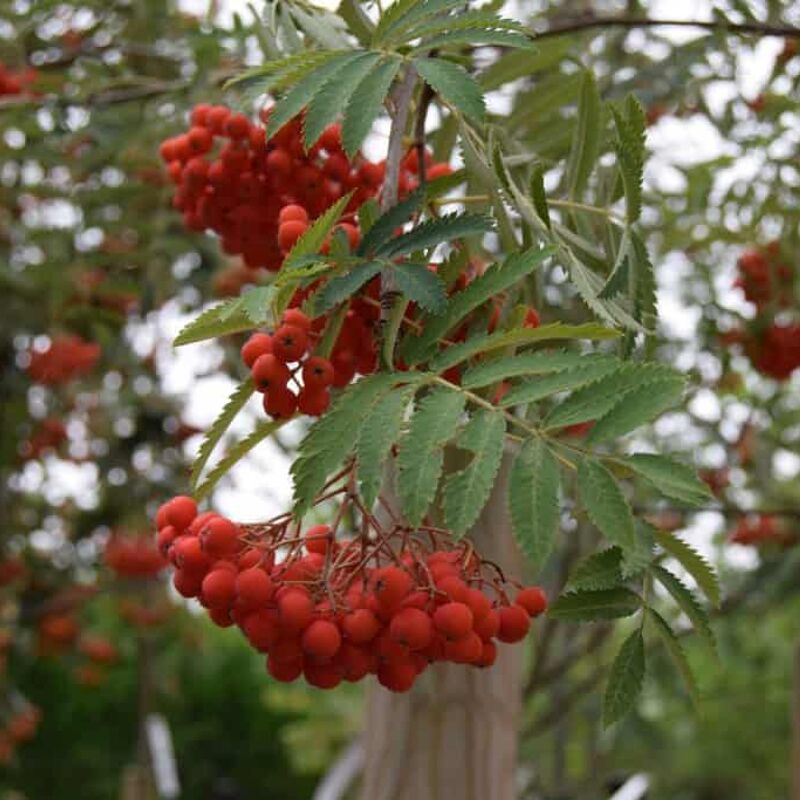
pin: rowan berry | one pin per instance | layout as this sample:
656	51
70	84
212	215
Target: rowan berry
453	620
293	212
269	373
318	538
397	677
280	403
321	639
323	676
361	626
296	610
289	343
180	511
259	344
254	587
412	627
220	537
284	671
389	586
219	588
313	402
533	600
514	624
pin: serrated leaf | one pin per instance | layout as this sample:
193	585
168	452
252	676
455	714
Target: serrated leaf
646	306
674	648
434	232
639	557
454	85
342	287
539	196
379	431
601	570
332	438
670	478
518	337
586	139
603	604
465	492
702	572
476	37
322	26
368	214
358	21
235	455
495	280
385	225
282	72
421	457
366	102
293	102
256	304
636	407
215	321
630	124
533	500
591	368
598	398
605	503
688	603
333	93
625	679
420	285
479	20
316	233
541	362
405	13
235	403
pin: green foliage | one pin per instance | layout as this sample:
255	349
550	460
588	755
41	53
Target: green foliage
688	604
420	285
342	287
434	232
605	503
587	606
630	123
240	314
625	679
586	139
466	491
421	456
236	402
384	227
533	500
670	478
673	646
702	572
602	570
541	362
314	237
454	85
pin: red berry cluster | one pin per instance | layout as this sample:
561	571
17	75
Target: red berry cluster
279	359
258	194
48	435
764	278
759	530
66	357
133	556
388	603
19	727
15	82
775	351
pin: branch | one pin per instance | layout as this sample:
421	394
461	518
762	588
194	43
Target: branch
590	23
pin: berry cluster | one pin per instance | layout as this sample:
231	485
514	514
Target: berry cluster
278	360
48	435
763	277
12	82
97	654
759	530
20	727
66	357
388	602
133	556
258	194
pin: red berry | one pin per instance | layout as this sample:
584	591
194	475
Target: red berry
398	677
323	676
181	511
412	628
314	402
189	555
289	232
453	620
317	539
488	656
296	610
238	126
220	537
317	372
390	585
438	171
331	138
467	650
487	626
514	624
292	212
254	588
269	373
284	671
259	344
219	588
297	319
321	639
200	140
533	600
361	626
261	629
289	343
280	403
279	162
187	584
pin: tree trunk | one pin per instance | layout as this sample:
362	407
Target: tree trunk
453	736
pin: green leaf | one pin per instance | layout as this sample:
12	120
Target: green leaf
332	438
702	572
368	214
214	322
333	93
358	21
586	139
484	36
466	492
605	504
674	648
533	500
235	455
688	604
639	557
636	407
670	478
625	679
421	285
379	431
541	362
593	367
601	570
630	126
598	398
539	196
646	307
518	337
256	304
343	287
495	280
314	237
385	225
235	403
281	72
293	102
434	232
405	13
366	102
454	85
603	604
421	455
